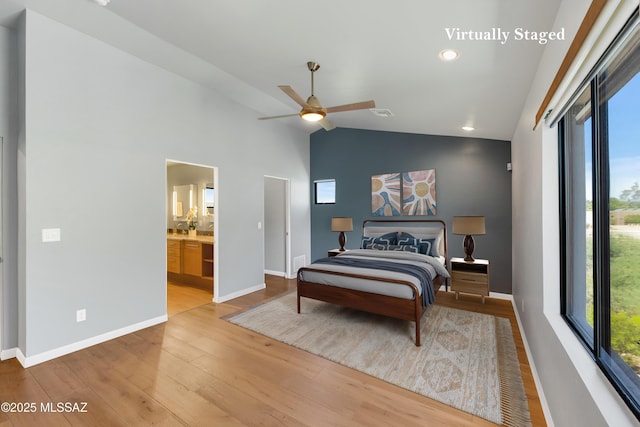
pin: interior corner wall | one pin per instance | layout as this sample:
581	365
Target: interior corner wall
99	127
471	179
575	391
9	133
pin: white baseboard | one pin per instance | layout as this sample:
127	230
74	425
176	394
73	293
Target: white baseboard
534	371
28	361
241	293
9	353
500	295
276	273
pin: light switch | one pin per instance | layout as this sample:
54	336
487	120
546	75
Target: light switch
50	234
259	225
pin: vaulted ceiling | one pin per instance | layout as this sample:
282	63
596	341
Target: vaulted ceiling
373	49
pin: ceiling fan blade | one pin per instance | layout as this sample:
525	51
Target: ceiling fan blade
278	117
326	124
355	106
294	95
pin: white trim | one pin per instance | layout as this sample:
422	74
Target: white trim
80	345
216	220
534	372
276	273
287	223
9	353
240	293
1	245
500	295
216	234
496	295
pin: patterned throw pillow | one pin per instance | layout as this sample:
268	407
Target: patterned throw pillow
387	239
381	247
425	246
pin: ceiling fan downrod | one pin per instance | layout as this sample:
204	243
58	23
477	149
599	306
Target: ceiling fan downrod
313	67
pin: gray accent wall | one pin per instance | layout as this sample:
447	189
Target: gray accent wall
471	179
96	128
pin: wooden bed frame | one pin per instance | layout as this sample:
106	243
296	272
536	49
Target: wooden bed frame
399	308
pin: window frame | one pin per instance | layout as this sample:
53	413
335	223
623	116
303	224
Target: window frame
616	370
315	191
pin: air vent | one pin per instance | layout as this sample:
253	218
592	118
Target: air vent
381	112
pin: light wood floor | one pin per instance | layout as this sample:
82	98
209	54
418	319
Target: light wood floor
182	297
197	369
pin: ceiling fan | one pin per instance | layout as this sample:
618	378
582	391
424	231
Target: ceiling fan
312	110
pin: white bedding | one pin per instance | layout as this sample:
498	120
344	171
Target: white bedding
435	266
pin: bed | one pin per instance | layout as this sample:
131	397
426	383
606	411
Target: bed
396	273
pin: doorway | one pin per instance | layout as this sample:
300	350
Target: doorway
1	250
277	242
191	228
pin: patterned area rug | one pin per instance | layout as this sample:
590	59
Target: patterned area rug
467	360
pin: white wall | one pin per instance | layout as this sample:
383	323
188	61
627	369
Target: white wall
99	126
576	392
9	132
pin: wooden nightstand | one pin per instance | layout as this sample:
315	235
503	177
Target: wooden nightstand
334	252
470	277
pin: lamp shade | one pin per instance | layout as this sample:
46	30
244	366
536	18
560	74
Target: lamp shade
340	223
468	225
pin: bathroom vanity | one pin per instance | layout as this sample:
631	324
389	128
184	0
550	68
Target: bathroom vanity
190	259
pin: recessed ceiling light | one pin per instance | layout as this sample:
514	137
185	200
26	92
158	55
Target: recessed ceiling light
449	54
468	128
102	2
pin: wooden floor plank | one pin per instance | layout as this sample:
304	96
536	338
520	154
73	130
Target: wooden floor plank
198	369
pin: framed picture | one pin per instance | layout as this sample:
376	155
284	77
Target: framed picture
419	192
385	195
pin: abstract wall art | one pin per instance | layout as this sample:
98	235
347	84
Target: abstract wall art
419	192
385	195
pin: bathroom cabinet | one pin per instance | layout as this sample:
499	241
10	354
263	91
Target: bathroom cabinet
190	260
174	256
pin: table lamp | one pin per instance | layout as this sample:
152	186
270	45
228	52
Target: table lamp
468	226
341	224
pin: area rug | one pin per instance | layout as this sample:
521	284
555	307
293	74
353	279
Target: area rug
467	360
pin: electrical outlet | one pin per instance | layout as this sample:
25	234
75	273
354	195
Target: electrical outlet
50	234
81	315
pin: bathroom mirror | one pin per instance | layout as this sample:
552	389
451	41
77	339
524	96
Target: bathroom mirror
184	198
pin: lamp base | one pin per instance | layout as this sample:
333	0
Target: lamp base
342	240
469	246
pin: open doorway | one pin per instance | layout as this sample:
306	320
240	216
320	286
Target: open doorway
1	250
277	243
191	226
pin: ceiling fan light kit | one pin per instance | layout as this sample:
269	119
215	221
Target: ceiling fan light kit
311	115
312	110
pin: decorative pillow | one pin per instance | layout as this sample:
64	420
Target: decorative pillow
425	246
386	239
406	239
381	247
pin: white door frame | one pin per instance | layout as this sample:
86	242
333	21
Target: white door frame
287	226
1	245
216	224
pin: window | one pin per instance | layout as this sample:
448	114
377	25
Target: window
325	191
209	200
599	143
